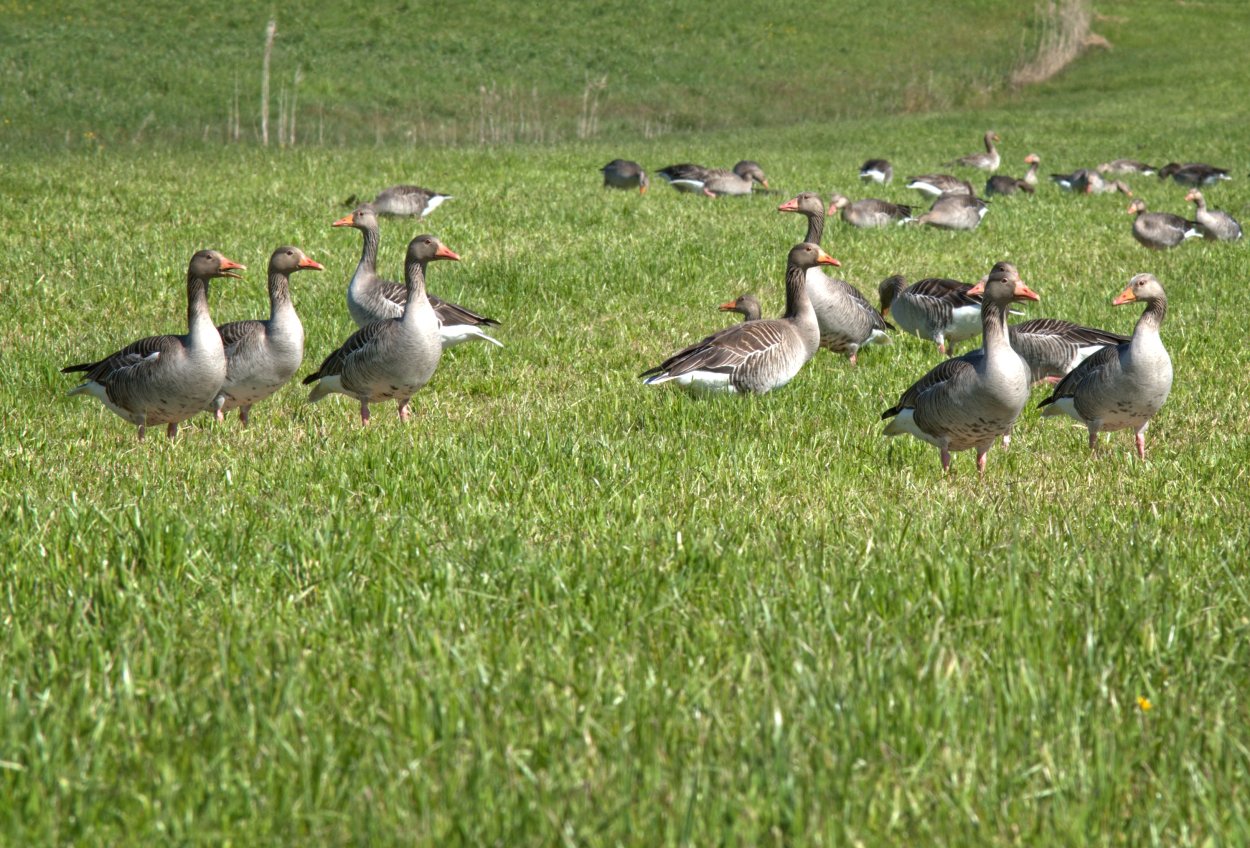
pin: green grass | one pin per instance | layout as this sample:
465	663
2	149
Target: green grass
560	607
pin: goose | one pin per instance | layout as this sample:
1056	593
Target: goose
1003	184
869	212
960	404
847	320
1030	176
877	171
745	305
1194	174
1160	230
262	355
1126	166
165	379
941	310
1216	225
715	182
1122	386
405	201
935	185
955	212
623	173
987	161
754	356
370	298
394	357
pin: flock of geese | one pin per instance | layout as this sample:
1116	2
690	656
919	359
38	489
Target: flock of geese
1103	380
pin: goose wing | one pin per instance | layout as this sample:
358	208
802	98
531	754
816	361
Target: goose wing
723	351
950	371
333	364
1089	372
134	356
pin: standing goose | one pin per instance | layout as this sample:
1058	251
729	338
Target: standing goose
370	298
1126	166
869	212
1123	386
1194	174
955	212
745	305
941	310
987	161
877	171
936	185
166	379
1216	224
961	404
262	355
622	173
405	201
395	357
1160	230
847	320
754	356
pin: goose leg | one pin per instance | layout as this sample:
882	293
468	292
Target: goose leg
364	412
854	357
1093	438
142	431
218	414
243	411
1140	440
404	414
172	429
946	460
981	454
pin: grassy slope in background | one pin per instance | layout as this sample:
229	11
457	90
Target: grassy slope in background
562	607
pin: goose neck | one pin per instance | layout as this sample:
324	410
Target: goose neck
797	300
815	226
279	293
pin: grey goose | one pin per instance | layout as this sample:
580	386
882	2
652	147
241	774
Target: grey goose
942	310
877	171
847	320
1124	386
986	161
955	212
1193	174
1216	224
404	201
715	182
935	185
624	173
962	404
1160	230
261	356
395	357
166	379
745	305
869	212
370	298
1126	166
754	356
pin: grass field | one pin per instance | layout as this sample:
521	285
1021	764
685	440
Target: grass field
561	607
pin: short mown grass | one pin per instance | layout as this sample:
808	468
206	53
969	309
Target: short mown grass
561	607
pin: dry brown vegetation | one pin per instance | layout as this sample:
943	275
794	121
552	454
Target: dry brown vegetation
1065	35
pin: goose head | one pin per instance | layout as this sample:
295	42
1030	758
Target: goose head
289	259
1142	288
1003	284
208	264
363	217
427	248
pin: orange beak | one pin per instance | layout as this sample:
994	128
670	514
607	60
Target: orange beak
826	259
1023	292
1126	296
979	288
308	263
230	265
445	252
728	307
764	183
345	221
791	205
